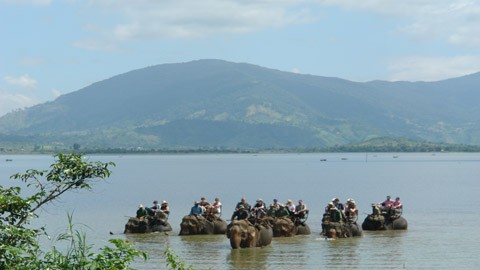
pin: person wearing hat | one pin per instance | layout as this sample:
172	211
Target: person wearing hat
351	211
240	214
164	208
259	210
335	214
282	211
272	212
276	204
141	212
196	209
290	207
259	205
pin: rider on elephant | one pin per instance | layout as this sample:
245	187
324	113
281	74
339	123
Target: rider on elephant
282	211
271	212
164	208
243	202
351	211
259	210
300	210
290	206
241	213
386	204
196	209
141	212
203	203
334	213
217	206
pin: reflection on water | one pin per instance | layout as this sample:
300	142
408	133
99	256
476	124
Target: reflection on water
343	252
250	258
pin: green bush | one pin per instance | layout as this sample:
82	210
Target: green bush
19	247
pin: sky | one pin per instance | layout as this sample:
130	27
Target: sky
49	47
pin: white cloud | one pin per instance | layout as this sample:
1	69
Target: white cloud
22	81
27	2
10	102
433	69
56	93
153	19
454	21
296	70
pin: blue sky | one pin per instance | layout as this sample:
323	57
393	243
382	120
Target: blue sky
49	48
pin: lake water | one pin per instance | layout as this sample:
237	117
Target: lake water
440	193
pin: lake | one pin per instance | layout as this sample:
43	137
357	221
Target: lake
440	193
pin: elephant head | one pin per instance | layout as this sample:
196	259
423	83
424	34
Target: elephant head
244	235
136	225
302	229
284	226
373	223
192	225
331	233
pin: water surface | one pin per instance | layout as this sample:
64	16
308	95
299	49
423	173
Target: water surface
439	191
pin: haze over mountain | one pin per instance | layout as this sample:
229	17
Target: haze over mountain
214	103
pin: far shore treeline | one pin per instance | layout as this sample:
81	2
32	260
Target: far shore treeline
379	145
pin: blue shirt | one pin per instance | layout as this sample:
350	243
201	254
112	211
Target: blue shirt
196	210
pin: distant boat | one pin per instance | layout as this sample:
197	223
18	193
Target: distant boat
395	156
323	159
8	159
344	158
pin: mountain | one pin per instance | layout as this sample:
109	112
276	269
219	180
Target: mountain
215	103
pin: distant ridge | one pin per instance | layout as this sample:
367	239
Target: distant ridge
215	103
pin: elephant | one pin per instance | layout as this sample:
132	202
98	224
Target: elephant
340	229
157	223
384	222
200	225
243	234
285	226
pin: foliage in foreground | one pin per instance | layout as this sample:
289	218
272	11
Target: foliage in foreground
175	262
19	246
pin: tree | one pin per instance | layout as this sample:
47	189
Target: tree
19	248
76	146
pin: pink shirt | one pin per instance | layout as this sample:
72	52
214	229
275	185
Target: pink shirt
388	203
397	204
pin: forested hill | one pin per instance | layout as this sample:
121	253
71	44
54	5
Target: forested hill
214	103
